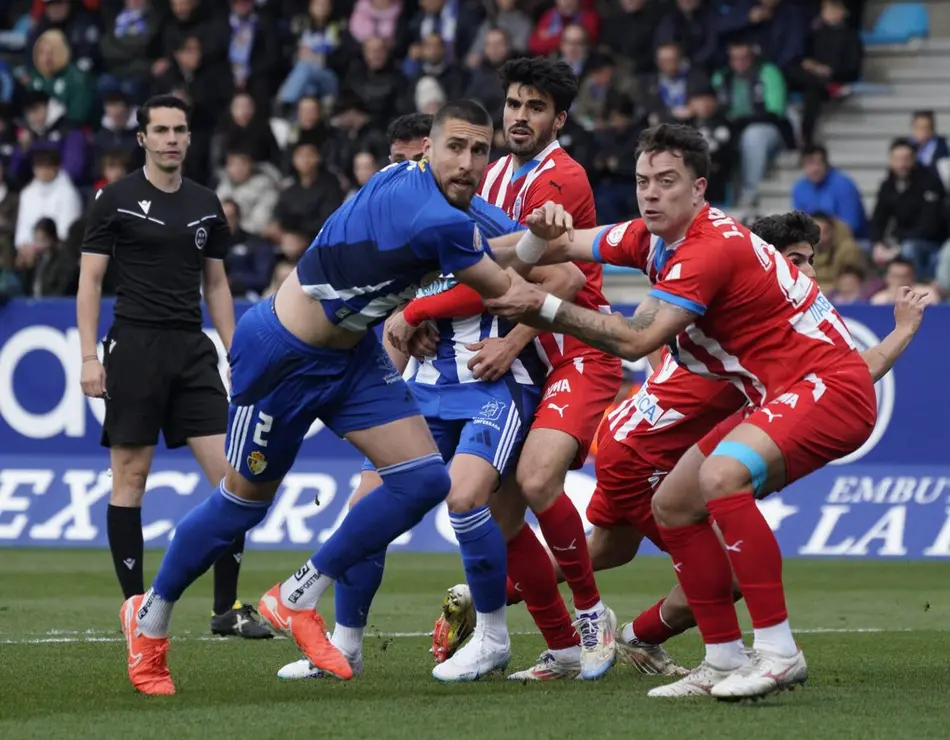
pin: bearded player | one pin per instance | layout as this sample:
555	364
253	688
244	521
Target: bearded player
738	311
582	382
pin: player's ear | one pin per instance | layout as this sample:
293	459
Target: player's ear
426	146
699	190
559	120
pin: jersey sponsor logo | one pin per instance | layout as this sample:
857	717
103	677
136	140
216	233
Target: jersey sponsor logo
558	386
256	462
560	409
201	237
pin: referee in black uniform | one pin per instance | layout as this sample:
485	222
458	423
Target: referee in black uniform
168	237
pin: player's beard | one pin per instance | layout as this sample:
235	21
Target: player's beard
529	148
459	192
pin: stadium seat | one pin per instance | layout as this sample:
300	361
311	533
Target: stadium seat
898	24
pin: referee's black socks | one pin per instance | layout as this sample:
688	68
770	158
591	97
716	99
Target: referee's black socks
226	571
124	528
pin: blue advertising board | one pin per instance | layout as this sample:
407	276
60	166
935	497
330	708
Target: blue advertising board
889	499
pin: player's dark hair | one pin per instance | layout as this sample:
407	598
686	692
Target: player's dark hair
556	79
785	229
679	140
143	115
409	127
469	111
815	149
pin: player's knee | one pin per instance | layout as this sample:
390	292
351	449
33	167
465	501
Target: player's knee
369	481
240	487
675	509
539	486
462	499
732	467
424	480
129	476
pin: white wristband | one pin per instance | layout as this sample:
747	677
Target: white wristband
549	307
530	248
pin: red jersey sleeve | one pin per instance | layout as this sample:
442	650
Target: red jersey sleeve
456	302
624	245
692	277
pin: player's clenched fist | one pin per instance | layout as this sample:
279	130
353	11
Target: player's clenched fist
522	300
399	331
550	221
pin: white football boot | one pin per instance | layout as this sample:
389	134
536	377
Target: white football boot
698	682
549	667
650	660
598	645
477	658
766	673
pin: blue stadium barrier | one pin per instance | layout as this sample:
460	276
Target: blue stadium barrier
888	500
898	24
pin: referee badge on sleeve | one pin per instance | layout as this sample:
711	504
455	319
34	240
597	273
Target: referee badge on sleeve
256	462
201	237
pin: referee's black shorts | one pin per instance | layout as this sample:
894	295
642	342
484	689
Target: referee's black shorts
161	379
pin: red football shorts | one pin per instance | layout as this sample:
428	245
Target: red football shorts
625	487
817	420
575	396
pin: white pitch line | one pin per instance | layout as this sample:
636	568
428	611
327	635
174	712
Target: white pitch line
106	636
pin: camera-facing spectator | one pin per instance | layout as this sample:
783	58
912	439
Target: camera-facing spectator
245	126
931	146
318	47
900	273
483	78
714	126
118	132
134	38
824	188
434	63
836	249
44	127
666	91
849	286
79	27
575	48
910	216
604	78
313	193
513	23
51	194
113	164
255	53
50	266
57	77
456	22
365	166
377	82
255	192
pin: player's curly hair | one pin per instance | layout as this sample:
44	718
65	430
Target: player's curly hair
556	79
409	127
785	229
684	141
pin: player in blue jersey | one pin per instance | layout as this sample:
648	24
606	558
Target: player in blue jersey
477	425
307	353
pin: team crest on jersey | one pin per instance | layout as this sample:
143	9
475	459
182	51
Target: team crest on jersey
615	235
492	410
201	237
256	462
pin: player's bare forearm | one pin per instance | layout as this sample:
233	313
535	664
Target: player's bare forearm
881	358
562	249
92	269
652	325
564	281
219	300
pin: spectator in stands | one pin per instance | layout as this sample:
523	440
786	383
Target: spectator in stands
483	78
44	127
117	132
910	216
255	192
308	125
428	95
250	260
255	52
836	249
713	125
433	63
605	78
293	243
692	25
317	43
615	162
833	57
282	271
900	274
364	167
113	164
375	19
753	97
9	202
312	195
629	31
245	126
575	49
205	20
51	194
666	92
931	147
849	286
456	22
79	27
208	84
376	81
134	38
505	17
825	188
548	33
777	28
354	131
50	267
53	74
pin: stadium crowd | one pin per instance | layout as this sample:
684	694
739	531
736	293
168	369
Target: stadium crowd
292	100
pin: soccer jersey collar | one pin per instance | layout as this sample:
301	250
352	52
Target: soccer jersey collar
530	165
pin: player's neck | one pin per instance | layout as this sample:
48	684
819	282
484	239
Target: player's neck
166	181
674	234
520	161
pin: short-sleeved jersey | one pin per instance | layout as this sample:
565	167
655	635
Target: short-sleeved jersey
377	249
670	412
554	176
159	242
450	364
762	324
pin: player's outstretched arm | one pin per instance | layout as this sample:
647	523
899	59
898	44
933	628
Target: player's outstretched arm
655	322
908	313
550	239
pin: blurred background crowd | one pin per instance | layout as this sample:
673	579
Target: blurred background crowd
292	99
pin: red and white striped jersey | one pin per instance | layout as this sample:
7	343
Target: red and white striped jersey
762	325
551	175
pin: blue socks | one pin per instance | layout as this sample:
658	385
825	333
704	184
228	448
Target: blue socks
207	531
409	491
354	592
484	557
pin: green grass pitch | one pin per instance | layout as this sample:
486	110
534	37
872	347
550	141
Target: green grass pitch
876	635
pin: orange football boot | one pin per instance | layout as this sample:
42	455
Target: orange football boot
147	656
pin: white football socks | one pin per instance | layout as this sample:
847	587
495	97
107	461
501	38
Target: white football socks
492	626
595	611
154	615
304	588
727	655
348	640
776	639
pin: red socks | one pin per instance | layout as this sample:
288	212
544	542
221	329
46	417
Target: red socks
563	530
704	573
650	628
531	578
754	554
